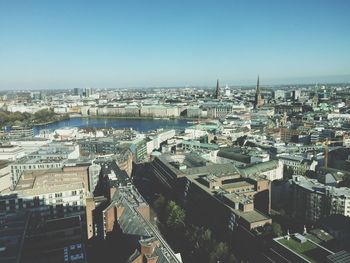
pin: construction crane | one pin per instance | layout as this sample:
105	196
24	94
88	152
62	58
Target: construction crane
326	150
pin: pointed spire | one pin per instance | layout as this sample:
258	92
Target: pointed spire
258	99
217	91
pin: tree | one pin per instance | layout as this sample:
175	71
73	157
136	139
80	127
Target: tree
206	248
44	115
282	212
221	253
287	172
175	216
159	206
311	174
276	229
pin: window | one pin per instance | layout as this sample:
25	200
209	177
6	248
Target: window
36	201
2	206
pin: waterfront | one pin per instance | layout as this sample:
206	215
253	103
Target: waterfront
141	125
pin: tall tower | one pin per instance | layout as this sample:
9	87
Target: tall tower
315	97
258	99
217	91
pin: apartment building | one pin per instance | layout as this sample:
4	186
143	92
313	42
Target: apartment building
313	200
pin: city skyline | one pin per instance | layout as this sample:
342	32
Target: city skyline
50	45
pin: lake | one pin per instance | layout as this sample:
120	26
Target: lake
141	125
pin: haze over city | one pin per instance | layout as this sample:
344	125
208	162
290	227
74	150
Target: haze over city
121	44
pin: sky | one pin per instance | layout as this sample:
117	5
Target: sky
148	43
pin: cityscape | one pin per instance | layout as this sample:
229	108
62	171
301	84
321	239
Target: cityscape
162	163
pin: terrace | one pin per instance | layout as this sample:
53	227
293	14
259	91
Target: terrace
307	249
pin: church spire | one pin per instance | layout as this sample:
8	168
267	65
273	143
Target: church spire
217	91
258	99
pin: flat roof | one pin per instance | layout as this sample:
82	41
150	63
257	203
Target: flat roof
3	163
308	250
49	181
252	216
236	185
339	257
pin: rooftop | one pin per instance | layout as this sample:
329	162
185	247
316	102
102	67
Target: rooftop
4	164
48	181
308	250
252	216
315	186
258	168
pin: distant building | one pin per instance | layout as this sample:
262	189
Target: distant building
217	90
218	109
259	101
19	132
76	92
87	92
241	156
288	109
297	163
279	94
36	95
11	152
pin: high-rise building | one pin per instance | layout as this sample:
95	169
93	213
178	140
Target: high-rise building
258	98
87	92
76	92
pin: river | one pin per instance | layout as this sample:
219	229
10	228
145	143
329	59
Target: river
141	125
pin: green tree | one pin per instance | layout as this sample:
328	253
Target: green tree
44	115
287	172
276	229
159	206
310	174
221	253
175	216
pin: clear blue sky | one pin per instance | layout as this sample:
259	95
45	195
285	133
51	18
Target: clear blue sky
129	43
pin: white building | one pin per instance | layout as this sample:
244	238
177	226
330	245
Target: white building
156	139
5	175
31	145
11	152
48	192
94	174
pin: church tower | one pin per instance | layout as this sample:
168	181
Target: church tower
315	98
217	91
258	99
